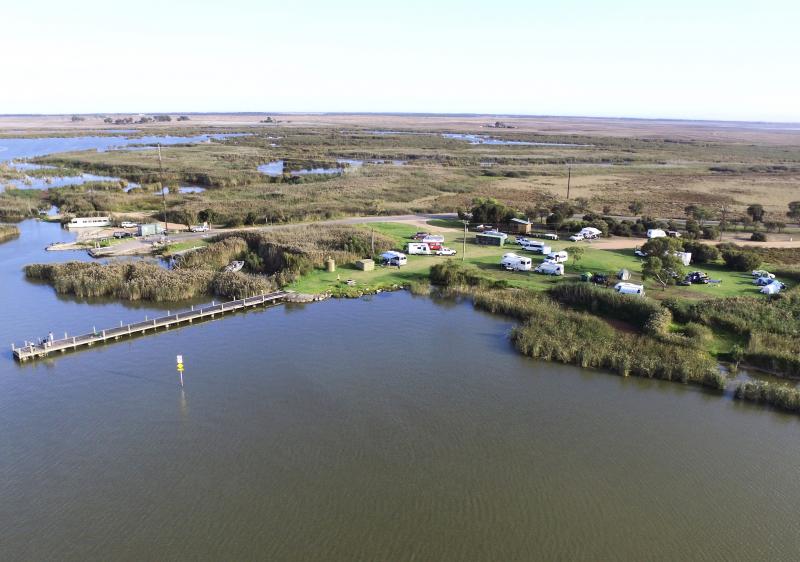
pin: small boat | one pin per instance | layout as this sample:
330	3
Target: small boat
234	266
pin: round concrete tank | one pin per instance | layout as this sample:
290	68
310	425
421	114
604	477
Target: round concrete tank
330	265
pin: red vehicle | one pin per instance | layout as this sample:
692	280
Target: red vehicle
420	235
434	246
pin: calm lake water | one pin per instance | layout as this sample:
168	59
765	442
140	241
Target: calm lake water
388	428
16	148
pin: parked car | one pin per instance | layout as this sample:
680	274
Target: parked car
599	279
549	236
200	227
445	251
128	224
639	253
697	278
576	237
763	273
420	235
122	234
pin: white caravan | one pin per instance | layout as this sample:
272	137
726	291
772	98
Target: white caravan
656	233
629	289
419	249
550	268
513	262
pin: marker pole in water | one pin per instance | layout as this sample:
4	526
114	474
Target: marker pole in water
179	360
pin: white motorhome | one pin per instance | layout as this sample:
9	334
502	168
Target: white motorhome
419	249
86	222
394	258
550	268
629	288
513	262
656	233
558	257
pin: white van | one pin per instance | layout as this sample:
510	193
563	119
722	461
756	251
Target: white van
513	262
629	288
394	258
537	247
656	233
419	249
550	268
558	257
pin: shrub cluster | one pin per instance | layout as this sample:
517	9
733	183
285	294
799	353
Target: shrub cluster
647	315
452	273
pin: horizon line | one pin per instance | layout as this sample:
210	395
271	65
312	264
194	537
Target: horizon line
408	114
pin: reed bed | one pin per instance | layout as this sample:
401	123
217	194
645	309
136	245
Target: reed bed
774	394
8	232
551	332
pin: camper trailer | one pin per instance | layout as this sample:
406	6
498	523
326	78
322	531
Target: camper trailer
85	222
419	249
590	233
656	233
629	289
558	257
550	268
513	262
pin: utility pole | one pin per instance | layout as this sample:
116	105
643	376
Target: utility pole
724	222
464	245
163	187
569	177
372	240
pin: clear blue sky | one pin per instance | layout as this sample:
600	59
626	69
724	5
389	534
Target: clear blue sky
685	59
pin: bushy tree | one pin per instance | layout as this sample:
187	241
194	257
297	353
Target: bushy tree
740	260
794	210
756	212
661	264
575	252
701	253
636	208
491	211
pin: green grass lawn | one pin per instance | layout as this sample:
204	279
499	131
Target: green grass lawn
182	246
487	258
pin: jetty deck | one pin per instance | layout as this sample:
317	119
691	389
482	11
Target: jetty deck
31	350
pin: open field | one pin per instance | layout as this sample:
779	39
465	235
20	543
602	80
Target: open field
487	258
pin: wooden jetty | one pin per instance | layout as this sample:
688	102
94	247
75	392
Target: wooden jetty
33	350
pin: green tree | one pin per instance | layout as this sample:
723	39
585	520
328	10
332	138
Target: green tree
661	264
756	212
698	213
636	207
575	252
794	210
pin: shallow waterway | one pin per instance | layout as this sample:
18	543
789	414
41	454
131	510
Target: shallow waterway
386	428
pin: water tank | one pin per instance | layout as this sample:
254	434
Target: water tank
330	265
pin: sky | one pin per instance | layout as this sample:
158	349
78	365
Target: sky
700	59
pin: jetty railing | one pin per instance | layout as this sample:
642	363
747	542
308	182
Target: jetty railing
34	350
